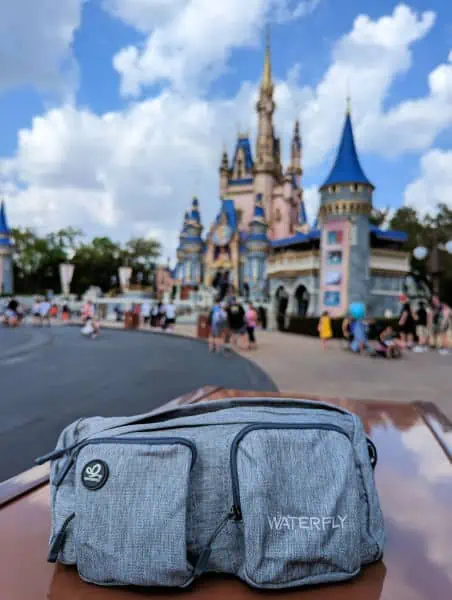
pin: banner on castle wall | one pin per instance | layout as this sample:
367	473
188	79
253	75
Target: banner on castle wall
334	267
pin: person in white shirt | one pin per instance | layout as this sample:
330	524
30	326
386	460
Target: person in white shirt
170	316
146	311
44	309
36	312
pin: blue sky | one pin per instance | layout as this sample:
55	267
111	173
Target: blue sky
111	115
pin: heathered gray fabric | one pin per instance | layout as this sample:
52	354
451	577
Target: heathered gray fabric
310	510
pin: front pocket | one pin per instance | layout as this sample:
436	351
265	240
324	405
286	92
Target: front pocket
295	488
131	506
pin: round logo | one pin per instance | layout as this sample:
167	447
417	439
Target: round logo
95	474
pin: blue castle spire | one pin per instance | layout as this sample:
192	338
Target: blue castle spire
347	168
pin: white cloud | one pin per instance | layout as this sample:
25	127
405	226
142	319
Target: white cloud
189	41
134	172
311	197
35	43
434	185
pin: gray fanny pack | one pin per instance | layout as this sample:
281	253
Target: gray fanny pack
280	493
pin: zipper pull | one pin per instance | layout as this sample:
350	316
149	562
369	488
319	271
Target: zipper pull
58	540
203	559
51	456
235	514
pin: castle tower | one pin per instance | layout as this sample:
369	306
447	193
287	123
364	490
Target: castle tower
6	254
224	173
191	247
267	164
257	247
345	207
295	154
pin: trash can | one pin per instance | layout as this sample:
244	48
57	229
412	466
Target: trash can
203	327
131	320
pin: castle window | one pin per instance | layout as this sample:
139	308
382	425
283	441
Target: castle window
278	215
239	213
333	189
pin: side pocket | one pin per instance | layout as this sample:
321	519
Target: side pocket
299	502
131	507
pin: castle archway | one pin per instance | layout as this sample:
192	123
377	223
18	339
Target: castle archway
281	303
302	298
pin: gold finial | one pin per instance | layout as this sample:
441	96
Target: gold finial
267	84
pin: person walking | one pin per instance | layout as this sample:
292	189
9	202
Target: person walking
146	311
421	318
36	312
217	324
236	320
170	316
251	324
407	324
325	329
44	310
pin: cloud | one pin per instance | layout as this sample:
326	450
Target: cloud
35	43
134	171
189	41
434	184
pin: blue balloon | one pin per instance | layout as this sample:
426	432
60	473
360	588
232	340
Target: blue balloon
357	310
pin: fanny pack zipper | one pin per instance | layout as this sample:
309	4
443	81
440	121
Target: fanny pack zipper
119	440
236	510
55	454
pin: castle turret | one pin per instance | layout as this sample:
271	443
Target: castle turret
6	254
295	154
191	246
257	247
345	207
224	173
267	165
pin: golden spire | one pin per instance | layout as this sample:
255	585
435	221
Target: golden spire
267	83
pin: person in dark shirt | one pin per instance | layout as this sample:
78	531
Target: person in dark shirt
421	328
407	325
236	320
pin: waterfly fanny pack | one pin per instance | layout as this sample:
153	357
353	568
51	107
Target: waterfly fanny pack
280	493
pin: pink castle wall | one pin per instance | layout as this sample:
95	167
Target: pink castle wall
245	203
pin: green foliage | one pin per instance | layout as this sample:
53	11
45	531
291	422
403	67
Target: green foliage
37	260
428	231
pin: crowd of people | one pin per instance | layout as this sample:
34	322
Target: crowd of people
233	325
419	329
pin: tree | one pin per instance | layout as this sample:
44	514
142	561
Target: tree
37	259
428	231
379	216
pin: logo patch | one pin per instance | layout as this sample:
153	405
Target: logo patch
95	474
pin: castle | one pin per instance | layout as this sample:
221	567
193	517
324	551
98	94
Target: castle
261	243
6	254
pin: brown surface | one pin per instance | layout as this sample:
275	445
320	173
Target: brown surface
414	480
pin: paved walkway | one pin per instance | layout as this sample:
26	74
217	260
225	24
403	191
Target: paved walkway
297	363
56	376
